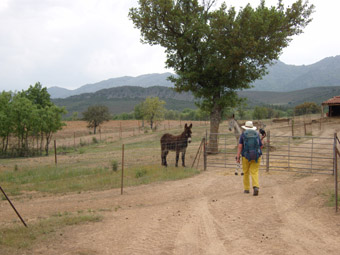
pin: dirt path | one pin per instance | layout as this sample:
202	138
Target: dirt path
206	214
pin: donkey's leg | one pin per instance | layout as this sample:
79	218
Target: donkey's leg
183	158
164	154
177	157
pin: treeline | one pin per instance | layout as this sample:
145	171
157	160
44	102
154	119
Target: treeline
28	120
276	111
186	114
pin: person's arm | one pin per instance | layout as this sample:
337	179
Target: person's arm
261	141
239	150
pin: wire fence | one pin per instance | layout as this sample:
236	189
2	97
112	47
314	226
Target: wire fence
76	134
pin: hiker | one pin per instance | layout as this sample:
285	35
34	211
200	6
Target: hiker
250	145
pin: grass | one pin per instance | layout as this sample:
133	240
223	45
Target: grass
95	166
331	199
19	237
78	179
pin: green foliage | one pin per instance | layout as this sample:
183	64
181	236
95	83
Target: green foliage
265	112
96	115
114	165
306	108
152	110
125	116
140	173
28	114
217	52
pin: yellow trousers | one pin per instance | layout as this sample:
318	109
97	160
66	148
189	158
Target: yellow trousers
252	168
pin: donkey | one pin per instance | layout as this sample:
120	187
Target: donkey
237	132
237	129
177	143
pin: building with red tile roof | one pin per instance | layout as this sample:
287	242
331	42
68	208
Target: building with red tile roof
333	106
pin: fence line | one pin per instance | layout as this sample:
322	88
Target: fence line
304	154
336	173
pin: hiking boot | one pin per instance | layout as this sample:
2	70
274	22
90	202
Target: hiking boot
246	191
256	191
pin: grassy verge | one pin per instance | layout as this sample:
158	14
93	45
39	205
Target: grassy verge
331	199
78	179
19	237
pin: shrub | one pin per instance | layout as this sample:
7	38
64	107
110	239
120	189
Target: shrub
94	140
140	173
114	165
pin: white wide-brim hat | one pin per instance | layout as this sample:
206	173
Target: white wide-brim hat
249	125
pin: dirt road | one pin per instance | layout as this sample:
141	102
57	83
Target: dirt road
206	214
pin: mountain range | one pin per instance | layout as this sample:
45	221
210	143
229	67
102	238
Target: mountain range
123	99
280	78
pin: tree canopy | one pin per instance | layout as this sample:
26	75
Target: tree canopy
25	116
151	110
217	52
95	115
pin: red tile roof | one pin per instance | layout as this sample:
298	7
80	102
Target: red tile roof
334	100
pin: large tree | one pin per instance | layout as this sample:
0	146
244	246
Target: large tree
217	52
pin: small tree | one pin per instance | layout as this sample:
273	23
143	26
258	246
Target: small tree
153	110
6	121
96	115
260	113
306	108
51	116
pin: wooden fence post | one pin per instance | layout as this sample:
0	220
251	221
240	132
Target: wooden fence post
55	152
335	170
122	180
293	126
198	153
268	149
205	153
9	201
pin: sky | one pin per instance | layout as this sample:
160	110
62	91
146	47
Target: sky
70	43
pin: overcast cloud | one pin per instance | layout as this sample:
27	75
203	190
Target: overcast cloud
70	43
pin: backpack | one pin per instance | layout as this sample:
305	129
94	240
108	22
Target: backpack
251	147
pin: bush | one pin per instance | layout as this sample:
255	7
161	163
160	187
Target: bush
306	108
114	165
94	140
140	173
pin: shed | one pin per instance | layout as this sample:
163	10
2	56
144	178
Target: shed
333	106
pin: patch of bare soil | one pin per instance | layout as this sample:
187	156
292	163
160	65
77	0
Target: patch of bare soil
206	214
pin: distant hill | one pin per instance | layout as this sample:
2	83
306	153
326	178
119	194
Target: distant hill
291	98
123	99
280	78
147	80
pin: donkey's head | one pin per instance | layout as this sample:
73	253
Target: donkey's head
232	123
187	132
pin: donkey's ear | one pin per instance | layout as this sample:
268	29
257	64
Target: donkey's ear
185	125
190	125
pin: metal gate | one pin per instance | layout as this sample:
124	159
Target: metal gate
303	154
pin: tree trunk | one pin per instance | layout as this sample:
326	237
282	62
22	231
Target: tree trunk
215	119
48	140
41	142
